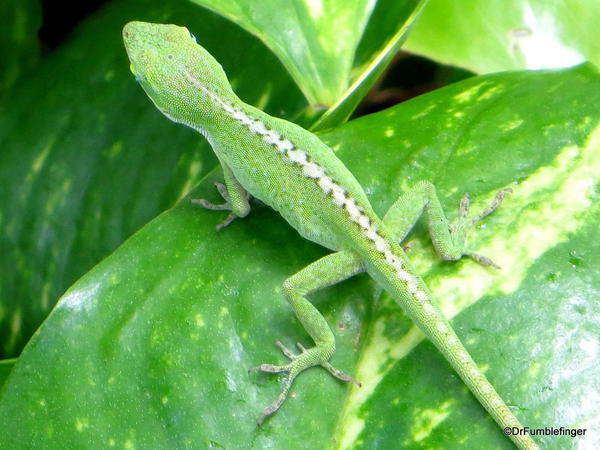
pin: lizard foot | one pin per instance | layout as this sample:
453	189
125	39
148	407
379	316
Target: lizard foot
463	223
218	207
298	362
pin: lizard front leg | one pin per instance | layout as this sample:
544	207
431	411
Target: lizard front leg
449	238
235	196
324	272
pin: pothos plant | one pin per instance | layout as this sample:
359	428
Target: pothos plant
150	344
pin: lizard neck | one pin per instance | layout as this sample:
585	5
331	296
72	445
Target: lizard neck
201	107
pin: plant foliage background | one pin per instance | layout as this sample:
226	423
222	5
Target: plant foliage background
159	317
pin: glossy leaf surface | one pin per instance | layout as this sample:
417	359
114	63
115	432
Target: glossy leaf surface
333	49
19	45
87	159
497	35
151	347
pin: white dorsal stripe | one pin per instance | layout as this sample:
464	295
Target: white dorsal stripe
338	188
312	170
352	208
326	184
213	96
404	275
269	139
371	234
421	296
284	145
272	134
258	128
381	245
239	115
364	222
339	197
297	156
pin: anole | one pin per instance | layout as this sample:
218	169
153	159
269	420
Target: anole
294	172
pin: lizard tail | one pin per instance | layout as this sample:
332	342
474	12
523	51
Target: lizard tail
394	273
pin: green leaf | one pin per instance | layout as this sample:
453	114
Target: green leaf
534	325
390	18
497	35
19	45
318	41
150	348
6	366
87	159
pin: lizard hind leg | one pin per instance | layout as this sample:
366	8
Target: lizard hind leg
449	238
324	272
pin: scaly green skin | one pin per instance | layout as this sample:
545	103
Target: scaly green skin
295	173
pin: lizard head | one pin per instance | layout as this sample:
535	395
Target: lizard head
180	76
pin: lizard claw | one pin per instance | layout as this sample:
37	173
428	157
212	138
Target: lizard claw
483	260
214	207
461	226
494	206
219	207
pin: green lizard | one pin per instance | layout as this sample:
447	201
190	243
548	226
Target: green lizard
291	170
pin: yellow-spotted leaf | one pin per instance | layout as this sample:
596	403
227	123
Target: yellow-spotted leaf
534	325
150	349
86	159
